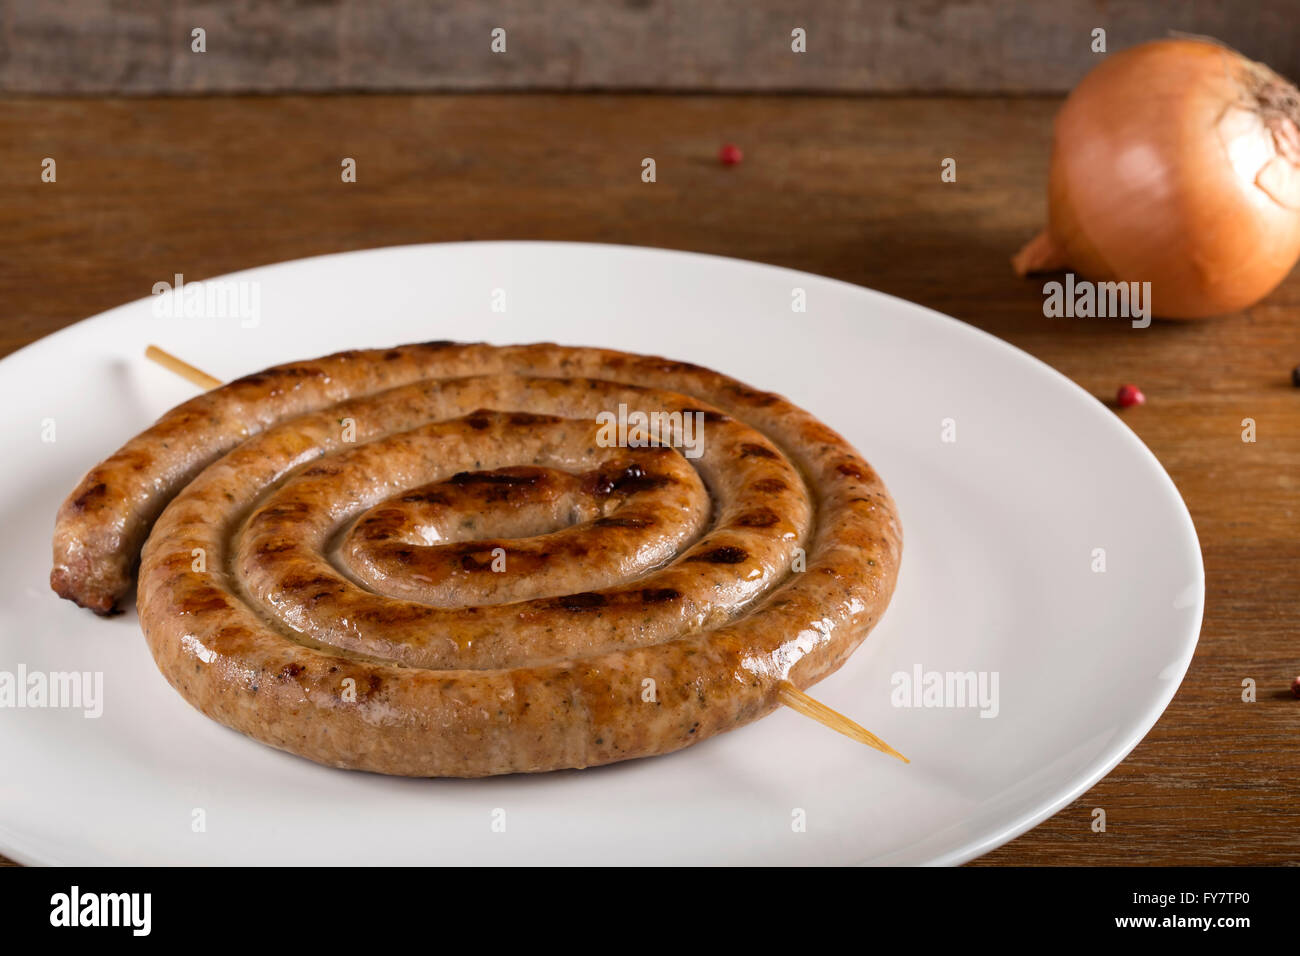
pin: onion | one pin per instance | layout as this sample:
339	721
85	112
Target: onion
1177	163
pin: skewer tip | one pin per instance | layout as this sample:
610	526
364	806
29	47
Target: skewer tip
798	701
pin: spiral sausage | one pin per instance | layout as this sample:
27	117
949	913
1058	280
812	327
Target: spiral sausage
433	561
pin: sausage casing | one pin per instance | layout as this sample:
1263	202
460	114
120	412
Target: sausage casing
432	560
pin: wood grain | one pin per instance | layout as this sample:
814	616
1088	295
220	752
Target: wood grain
857	46
845	187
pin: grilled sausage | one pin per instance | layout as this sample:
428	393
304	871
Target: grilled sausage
440	560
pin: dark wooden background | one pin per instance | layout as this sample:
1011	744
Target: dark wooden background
842	186
853	46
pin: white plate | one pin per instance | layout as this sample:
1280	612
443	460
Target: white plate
1000	528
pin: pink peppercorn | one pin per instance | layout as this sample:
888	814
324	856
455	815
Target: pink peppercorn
1130	395
730	155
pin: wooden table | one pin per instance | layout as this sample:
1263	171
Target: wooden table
845	187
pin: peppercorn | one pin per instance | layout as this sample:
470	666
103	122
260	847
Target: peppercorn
1130	395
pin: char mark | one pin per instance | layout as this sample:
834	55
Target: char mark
463	478
711	417
585	601
425	497
90	495
528	418
728	554
624	522
758	518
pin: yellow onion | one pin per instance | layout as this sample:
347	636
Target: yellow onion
1177	163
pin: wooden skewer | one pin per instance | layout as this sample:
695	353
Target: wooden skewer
798	701
184	369
787	693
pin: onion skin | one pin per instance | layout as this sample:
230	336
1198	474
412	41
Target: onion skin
1143	187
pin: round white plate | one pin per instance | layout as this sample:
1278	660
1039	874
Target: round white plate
1004	529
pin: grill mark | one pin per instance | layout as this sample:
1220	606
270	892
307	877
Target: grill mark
318	470
292	583
625	522
753	396
728	554
758	518
629	481
712	417
284	511
470	563
208	601
426	497
528	418
464	478
584	601
91	494
633	486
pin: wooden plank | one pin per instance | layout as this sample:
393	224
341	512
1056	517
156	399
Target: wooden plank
845	187
1020	46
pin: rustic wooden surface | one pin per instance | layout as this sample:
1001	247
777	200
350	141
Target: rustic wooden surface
853	46
848	188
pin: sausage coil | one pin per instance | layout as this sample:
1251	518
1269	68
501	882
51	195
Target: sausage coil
454	560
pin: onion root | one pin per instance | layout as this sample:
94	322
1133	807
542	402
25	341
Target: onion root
1040	254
